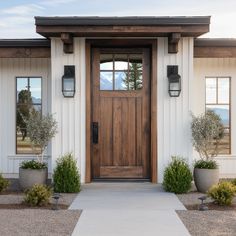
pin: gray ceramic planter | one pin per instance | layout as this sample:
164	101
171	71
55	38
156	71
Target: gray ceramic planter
29	177
205	178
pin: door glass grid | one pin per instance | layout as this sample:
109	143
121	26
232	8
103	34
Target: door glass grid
121	71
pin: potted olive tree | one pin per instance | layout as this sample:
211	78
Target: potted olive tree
207	132
40	129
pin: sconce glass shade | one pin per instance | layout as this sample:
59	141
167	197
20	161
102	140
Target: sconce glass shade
174	80
174	85
68	81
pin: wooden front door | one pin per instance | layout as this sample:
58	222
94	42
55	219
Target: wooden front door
121	113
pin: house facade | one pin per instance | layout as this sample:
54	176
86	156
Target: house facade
122	90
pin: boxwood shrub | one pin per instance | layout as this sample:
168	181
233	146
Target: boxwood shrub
66	178
38	195
223	193
177	176
3	183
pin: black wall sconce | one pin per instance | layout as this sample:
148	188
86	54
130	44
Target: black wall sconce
174	80
68	82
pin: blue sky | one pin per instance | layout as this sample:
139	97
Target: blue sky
17	16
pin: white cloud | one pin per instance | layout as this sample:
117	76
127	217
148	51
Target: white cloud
28	9
21	17
56	2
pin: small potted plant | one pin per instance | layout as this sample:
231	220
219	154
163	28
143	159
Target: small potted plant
207	132
40	129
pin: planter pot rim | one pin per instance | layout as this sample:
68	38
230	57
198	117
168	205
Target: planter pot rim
32	169
206	168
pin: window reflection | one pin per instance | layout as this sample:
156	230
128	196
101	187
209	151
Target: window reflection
222	111
218	100
223	90
121	61
106	62
106	80
121	81
121	71
210	90
28	93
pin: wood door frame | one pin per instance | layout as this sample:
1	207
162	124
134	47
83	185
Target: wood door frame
122	43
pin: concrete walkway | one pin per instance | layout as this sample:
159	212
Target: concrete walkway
127	209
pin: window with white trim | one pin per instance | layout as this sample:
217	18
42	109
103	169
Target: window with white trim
218	100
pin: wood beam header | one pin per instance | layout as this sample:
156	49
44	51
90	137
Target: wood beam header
122	26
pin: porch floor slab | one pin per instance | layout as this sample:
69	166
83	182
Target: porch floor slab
127	209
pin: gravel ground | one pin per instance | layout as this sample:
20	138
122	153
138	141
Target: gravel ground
207	223
36	222
191	198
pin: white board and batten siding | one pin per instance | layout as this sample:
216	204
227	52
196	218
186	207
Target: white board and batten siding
222	67
69	112
174	137
10	68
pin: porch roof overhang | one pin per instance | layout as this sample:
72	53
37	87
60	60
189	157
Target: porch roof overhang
25	48
215	48
122	26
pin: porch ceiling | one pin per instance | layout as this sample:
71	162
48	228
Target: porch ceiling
122	26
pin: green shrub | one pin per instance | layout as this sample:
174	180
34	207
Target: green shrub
233	182
66	176
223	193
38	195
206	164
177	176
32	164
3	183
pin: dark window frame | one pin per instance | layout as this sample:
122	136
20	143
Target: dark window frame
217	103
16	105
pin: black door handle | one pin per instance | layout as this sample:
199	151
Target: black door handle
95	132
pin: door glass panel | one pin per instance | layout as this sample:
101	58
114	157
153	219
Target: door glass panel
211	90
106	80
121	62
106	62
135	80
121	80
122	70
135	62
223	90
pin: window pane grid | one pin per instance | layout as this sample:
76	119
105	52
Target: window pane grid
218	100
126	72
